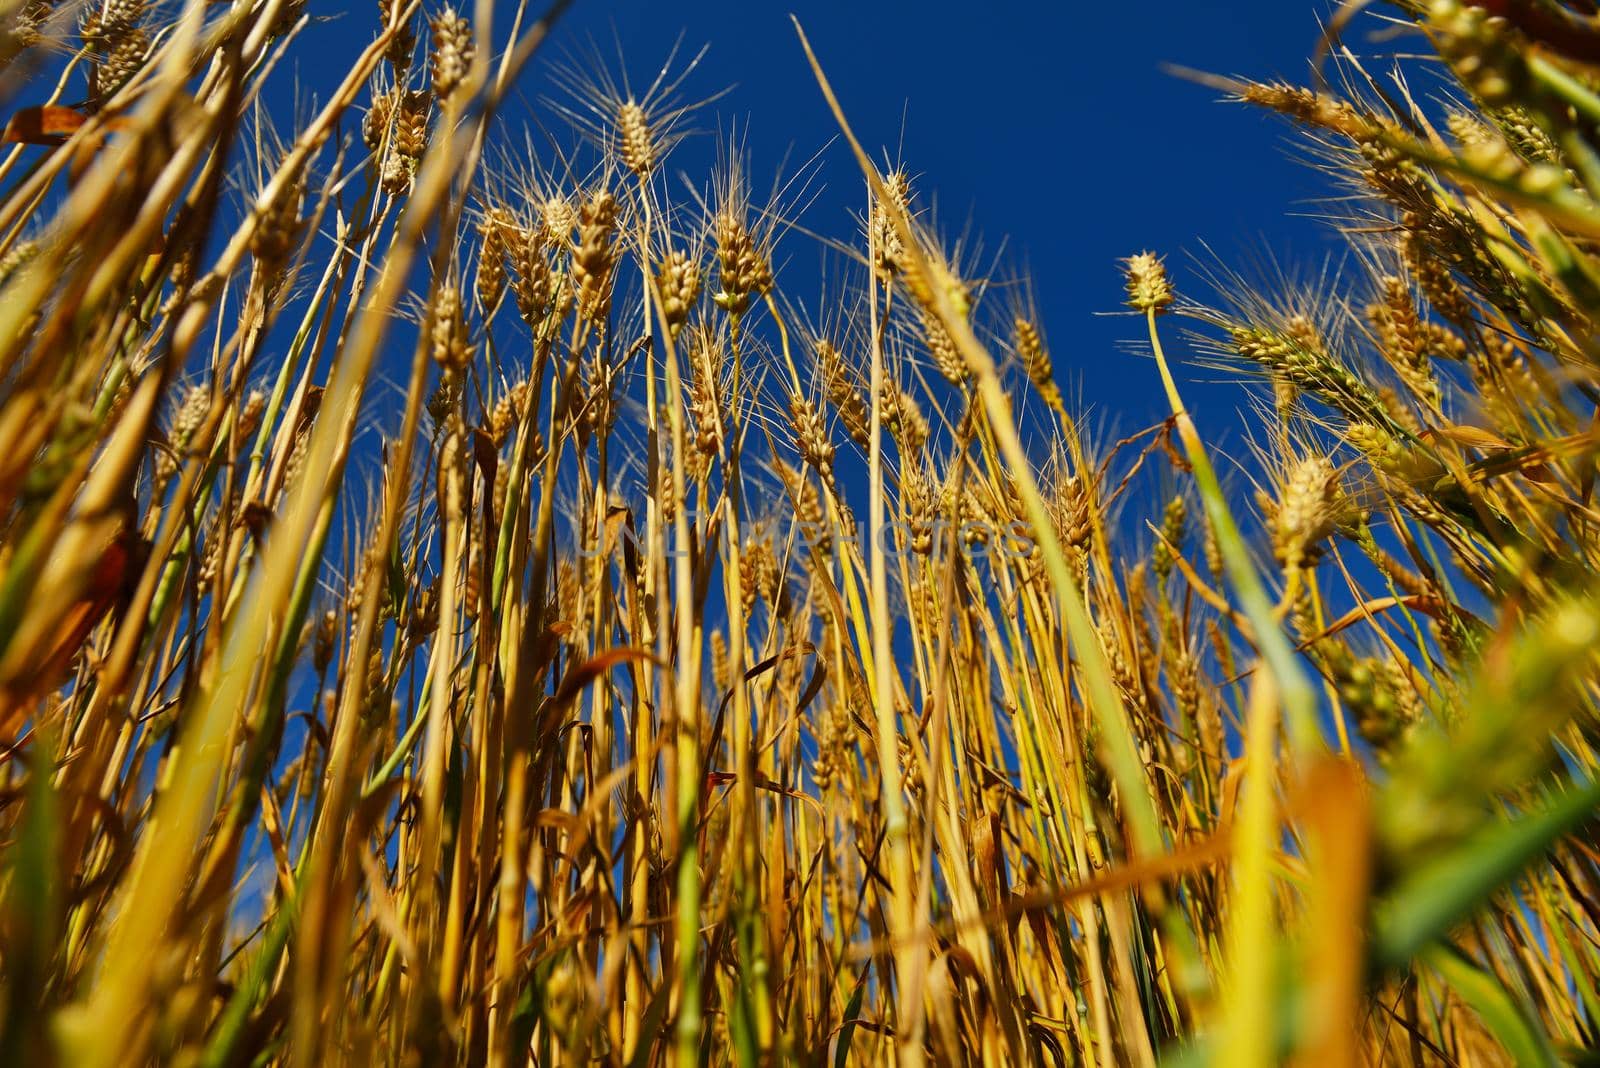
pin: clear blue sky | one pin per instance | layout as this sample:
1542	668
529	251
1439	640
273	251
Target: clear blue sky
1051	125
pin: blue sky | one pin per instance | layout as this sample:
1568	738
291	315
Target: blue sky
1050	125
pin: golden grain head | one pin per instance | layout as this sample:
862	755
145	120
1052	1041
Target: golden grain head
1148	287
636	143
453	52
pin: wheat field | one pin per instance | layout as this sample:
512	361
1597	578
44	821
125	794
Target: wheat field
464	604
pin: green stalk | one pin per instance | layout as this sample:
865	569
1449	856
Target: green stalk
1299	699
